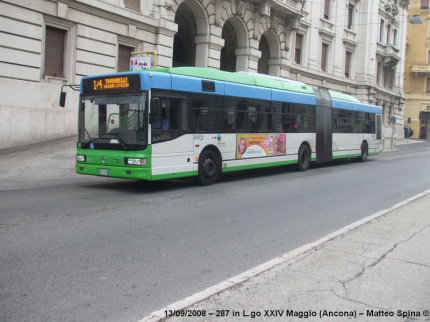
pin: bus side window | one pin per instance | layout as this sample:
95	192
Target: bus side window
252	116
258	111
335	124
263	119
166	111
276	117
230	115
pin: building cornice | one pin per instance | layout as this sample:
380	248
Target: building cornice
116	14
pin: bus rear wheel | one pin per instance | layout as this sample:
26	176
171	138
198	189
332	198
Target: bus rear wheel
209	168
364	152
304	158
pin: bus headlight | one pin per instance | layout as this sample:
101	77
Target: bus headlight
133	161
80	158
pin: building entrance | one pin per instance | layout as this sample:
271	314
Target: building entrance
424	125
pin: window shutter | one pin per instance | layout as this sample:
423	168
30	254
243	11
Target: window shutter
54	51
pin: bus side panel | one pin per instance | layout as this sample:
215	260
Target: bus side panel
293	142
371	141
375	146
173	159
346	145
225	143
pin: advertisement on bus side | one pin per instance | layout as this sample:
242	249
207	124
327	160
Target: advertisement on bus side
260	145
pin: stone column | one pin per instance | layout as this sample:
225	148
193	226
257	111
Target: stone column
247	59
208	50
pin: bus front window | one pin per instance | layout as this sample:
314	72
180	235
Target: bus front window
113	122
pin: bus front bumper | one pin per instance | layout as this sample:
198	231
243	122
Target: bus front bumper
114	171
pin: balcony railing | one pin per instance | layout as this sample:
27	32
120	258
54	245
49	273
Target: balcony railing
290	4
420	68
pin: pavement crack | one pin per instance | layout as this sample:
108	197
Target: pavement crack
357	302
410	262
381	258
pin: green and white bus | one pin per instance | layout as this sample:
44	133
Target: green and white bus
196	122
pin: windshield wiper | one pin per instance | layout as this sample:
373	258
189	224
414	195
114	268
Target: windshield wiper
91	139
120	141
88	134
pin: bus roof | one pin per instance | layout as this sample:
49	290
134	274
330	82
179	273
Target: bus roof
343	97
239	78
253	79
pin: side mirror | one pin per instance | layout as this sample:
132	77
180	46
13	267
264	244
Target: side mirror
63	99
62	102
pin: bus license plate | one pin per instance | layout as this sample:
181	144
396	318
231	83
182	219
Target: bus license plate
103	172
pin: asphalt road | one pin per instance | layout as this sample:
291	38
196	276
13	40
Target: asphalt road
77	248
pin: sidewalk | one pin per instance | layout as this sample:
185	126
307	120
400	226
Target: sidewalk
374	270
403	142
37	164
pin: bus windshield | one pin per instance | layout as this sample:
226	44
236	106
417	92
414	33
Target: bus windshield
113	122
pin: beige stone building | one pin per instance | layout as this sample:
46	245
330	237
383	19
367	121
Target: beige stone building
352	46
417	70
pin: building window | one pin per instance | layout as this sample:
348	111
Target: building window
124	54
428	85
395	37
132	4
385	80
378	73
348	56
54	51
324	52
350	15
381	31
392	77
388	34
424	4
388	81
327	9
298	52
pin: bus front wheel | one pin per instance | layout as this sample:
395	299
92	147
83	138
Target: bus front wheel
209	168
304	158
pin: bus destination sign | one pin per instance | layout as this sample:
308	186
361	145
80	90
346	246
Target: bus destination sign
112	84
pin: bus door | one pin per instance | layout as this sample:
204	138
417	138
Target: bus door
324	138
378	127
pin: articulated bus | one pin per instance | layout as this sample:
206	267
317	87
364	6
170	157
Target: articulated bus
196	122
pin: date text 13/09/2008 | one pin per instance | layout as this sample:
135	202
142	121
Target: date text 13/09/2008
294	313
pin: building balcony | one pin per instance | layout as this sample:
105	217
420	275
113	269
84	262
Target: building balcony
288	5
389	54
349	39
326	29
423	69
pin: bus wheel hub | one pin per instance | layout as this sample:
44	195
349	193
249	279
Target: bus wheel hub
209	168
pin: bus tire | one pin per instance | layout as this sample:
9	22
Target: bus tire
304	158
364	152
209	168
